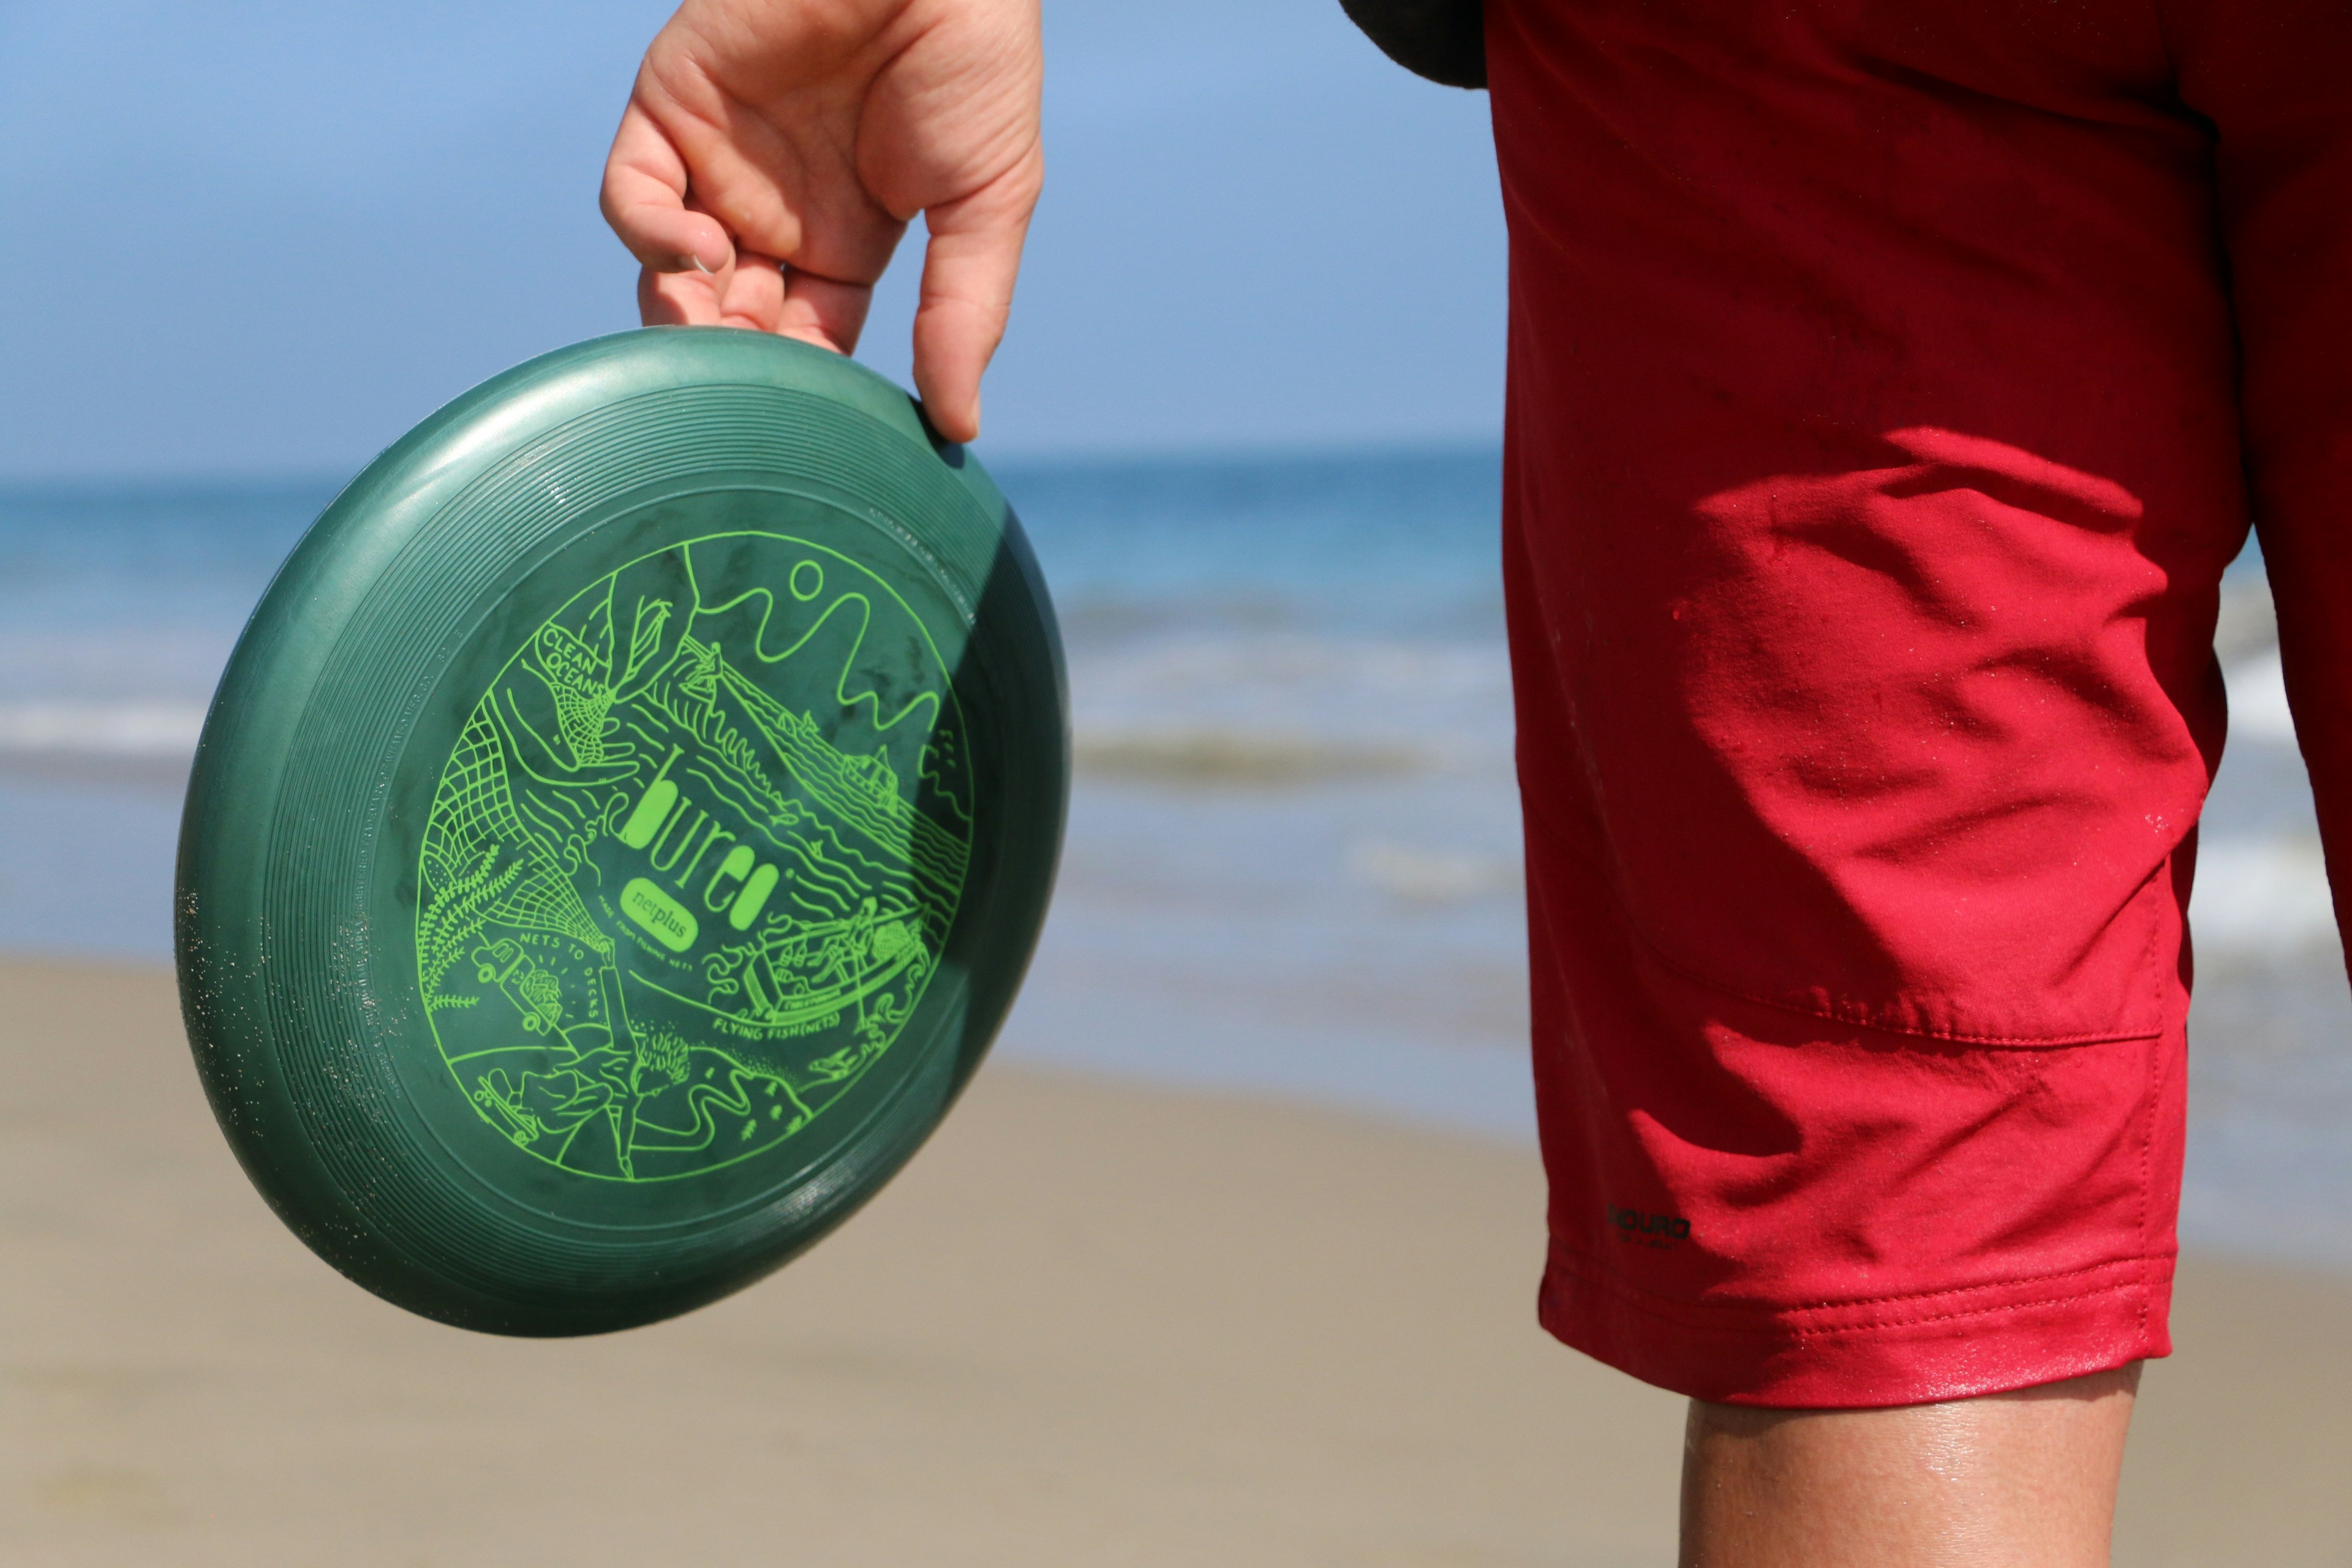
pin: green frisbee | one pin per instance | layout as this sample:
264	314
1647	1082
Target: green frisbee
621	830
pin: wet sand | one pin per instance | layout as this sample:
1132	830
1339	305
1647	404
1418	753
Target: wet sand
1093	1324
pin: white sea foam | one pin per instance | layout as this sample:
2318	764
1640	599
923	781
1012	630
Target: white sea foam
1285	708
1421	874
2262	899
2258	709
130	731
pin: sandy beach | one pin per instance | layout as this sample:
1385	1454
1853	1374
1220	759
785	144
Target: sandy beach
1092	1324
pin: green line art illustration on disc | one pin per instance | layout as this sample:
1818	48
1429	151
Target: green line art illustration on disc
693	859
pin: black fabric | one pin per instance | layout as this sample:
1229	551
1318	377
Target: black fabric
1445	41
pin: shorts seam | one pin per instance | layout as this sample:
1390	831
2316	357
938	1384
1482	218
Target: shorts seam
1795	1009
1949	1036
1684	1316
2160	1067
2151	1094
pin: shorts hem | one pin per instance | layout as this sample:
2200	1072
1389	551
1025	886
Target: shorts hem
1909	1349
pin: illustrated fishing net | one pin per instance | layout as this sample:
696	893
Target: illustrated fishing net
474	823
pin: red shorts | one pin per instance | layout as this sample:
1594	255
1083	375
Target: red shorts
1890	384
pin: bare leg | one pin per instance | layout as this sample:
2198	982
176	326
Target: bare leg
2024	1480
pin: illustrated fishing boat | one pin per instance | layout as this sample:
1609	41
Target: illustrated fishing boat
813	971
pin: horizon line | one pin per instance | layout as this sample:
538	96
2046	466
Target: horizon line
141	478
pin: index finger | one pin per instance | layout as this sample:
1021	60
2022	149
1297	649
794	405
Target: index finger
644	200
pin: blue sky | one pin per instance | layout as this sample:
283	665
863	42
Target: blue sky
269	237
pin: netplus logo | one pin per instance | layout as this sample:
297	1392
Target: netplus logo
1646	1230
677	837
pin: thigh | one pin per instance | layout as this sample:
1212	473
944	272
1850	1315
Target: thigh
1876	458
1873	463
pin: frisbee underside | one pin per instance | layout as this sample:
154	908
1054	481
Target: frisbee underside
621	831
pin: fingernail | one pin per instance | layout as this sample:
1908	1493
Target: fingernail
698	266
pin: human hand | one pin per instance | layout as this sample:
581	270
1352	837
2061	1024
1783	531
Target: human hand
773	152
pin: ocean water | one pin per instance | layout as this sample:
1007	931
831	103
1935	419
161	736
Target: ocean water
1293	860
